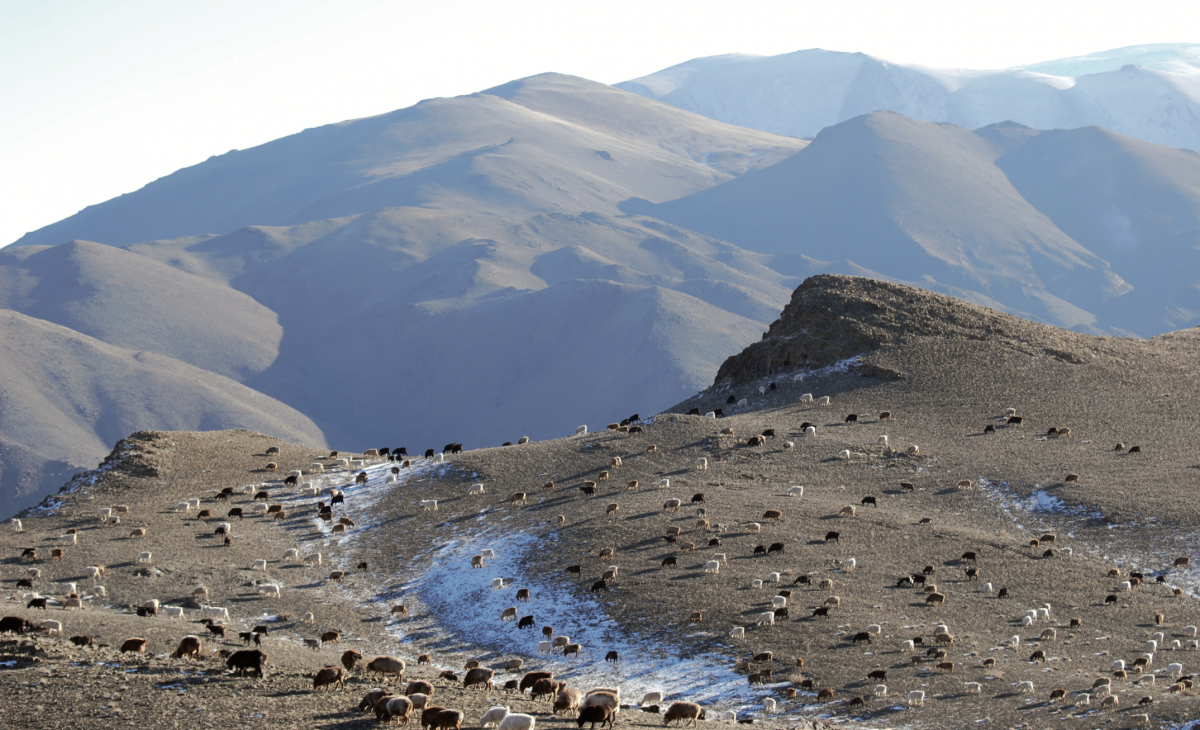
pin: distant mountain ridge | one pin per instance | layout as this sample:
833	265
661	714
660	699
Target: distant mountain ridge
1148	92
543	254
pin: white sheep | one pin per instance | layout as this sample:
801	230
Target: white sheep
987	587
314	559
810	431
390	479
543	647
493	716
215	612
737	633
753	527
34	573
796	492
1025	688
914	450
807	397
973	688
99	591
880	690
1157	636
291	555
260	507
259	565
850	565
181	507
17	526
308	490
104	514
774	577
702	464
429	505
522	441
729	716
907	645
1146	679
766	618
477	489
882	440
712	566
308	618
67	588
1192	644
824	401
756	583
343	463
663	484
743	403
768	703
844	454
789	445
194	503
1150	645
1043	614
497	583
1190	631
762	390
581	431
172	611
1175	669
651	698
68	539
1176	645
874	629
92	572
144	556
269	590
52	627
516	720
1050	635
710	414
488	553
916	697
1014	641
1117	666
778	602
1026	620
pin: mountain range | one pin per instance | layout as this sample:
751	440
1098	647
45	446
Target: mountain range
1151	92
544	254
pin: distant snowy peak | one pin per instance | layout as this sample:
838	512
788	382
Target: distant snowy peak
1180	58
1148	92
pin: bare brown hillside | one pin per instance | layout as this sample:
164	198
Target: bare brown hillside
988	494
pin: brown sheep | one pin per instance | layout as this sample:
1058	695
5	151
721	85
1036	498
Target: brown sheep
425	659
188	646
935	599
528	680
57	554
632	486
684	713
330	675
825	695
602	476
394	707
419	687
946	667
568	701
271	466
513	665
1181	562
134	646
401	609
138	533
613	509
516	498
446	719
773	515
479	676
544	688
386	665
351	660
428	714
697	617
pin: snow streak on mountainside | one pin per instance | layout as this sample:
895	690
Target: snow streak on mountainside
1148	92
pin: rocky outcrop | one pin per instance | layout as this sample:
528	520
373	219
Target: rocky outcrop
833	318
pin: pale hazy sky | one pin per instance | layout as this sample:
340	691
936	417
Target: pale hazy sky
100	98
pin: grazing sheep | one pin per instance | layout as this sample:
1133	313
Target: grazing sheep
766	618
134	646
1025	688
334	676
429	505
144	557
684	713
385	665
493	716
